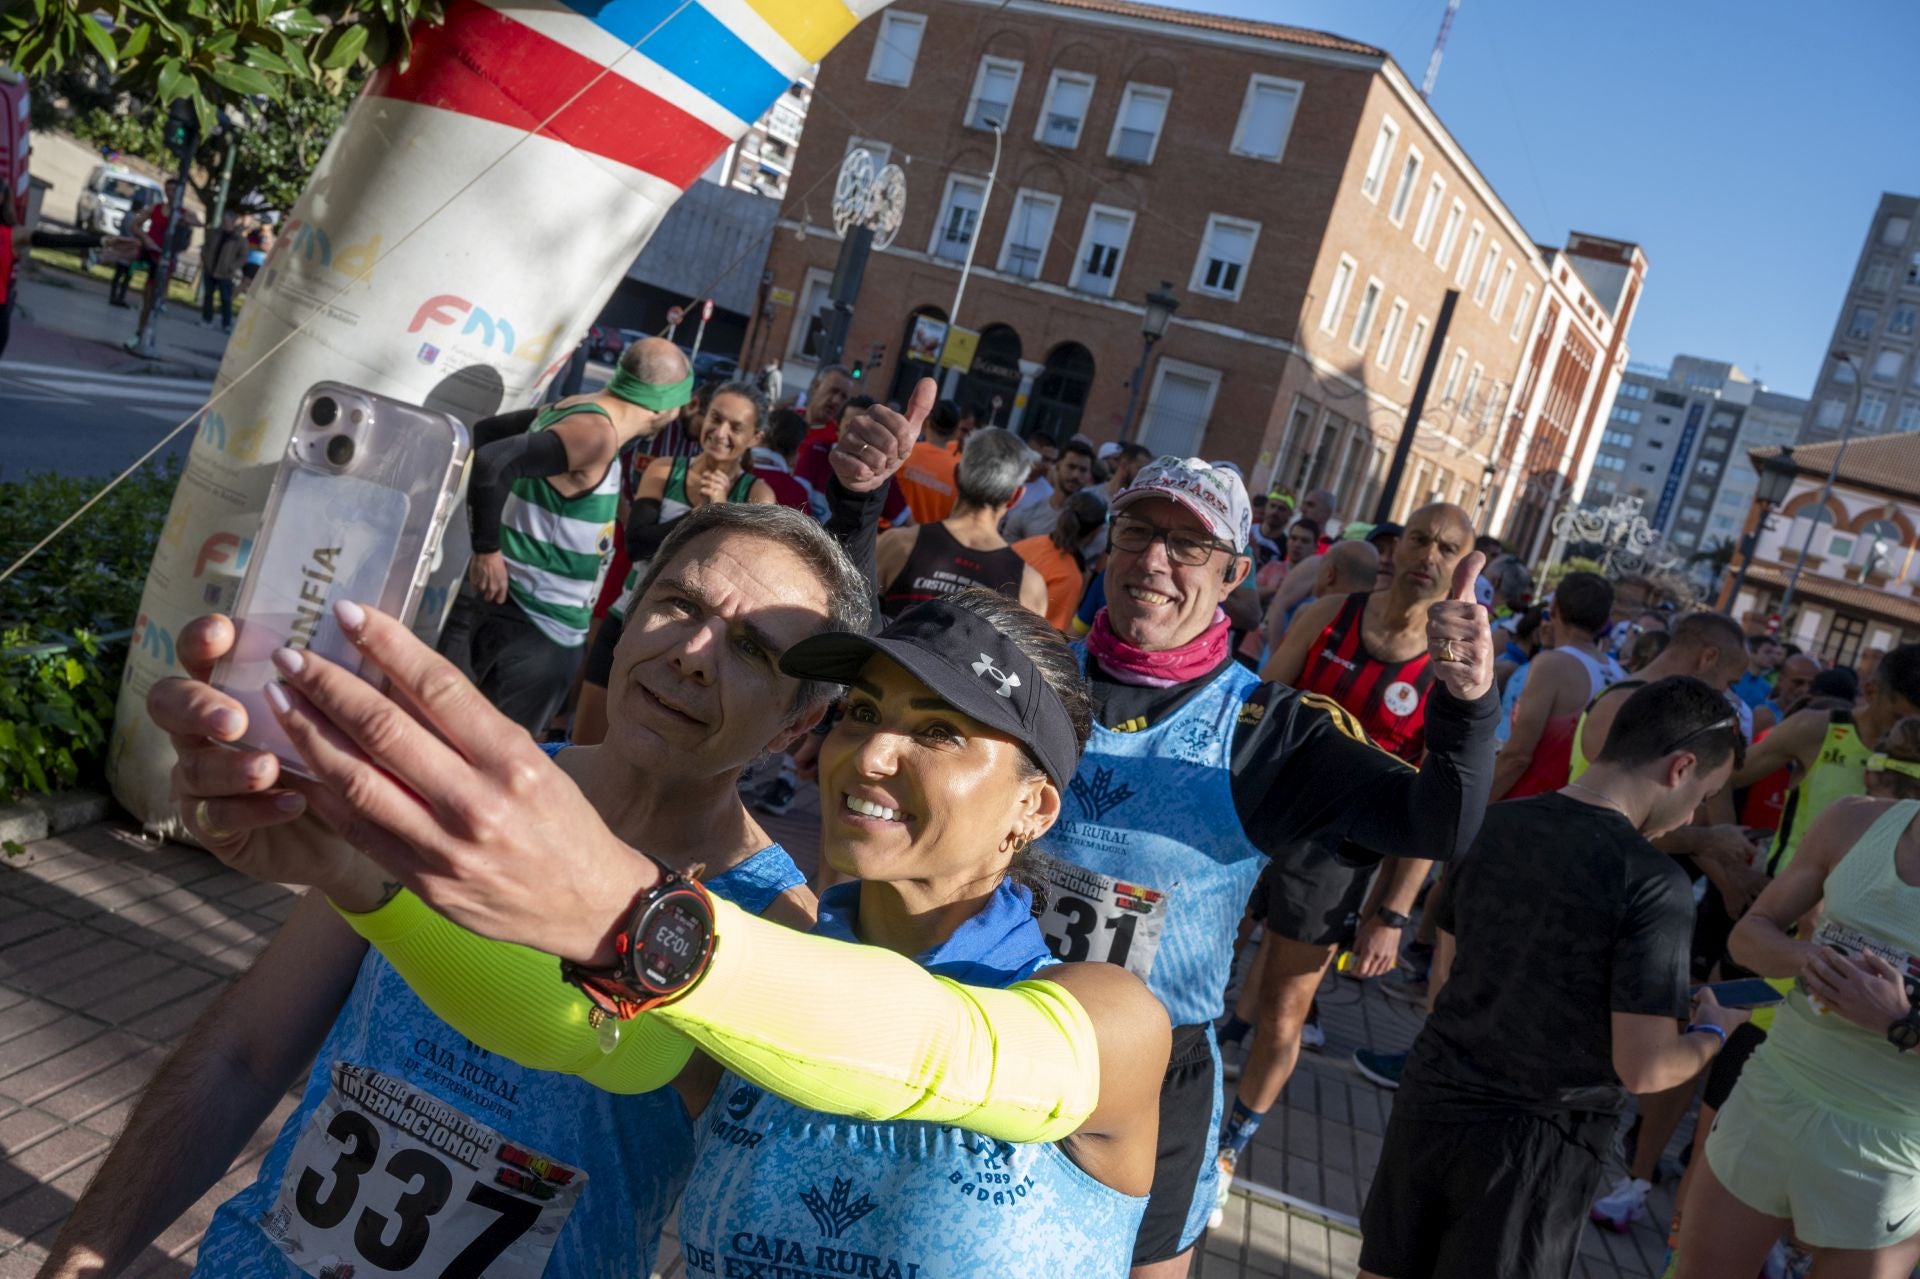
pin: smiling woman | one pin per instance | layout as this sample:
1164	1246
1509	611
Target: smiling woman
995	1102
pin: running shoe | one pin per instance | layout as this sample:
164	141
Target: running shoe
1620	1207
1380	1068
1311	1036
1227	1161
778	797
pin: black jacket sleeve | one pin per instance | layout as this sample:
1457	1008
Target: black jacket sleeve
853	520
1306	771
504	451
645	532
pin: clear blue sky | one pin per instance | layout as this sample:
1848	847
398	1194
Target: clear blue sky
1743	145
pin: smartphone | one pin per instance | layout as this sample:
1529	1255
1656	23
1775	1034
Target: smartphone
356	512
1747	992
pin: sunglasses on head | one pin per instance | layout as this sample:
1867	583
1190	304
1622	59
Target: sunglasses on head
1739	746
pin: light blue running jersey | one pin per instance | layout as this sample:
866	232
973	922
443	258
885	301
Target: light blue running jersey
1158	868
415	1152
780	1190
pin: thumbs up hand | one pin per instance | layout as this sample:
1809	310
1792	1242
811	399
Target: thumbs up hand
1460	635
875	441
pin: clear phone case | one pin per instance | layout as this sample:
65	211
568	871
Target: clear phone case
356	512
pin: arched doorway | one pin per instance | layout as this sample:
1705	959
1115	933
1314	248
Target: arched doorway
1060	393
909	369
995	375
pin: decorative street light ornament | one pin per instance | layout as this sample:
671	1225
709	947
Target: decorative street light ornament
863	197
1630	545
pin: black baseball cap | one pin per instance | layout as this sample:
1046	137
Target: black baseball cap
970	665
1387	529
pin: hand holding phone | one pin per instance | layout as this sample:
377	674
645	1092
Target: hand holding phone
356	512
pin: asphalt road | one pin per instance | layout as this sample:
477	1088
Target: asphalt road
83	422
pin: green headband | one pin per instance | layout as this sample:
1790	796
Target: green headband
1882	763
649	395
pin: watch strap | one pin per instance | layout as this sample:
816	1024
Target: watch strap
1392	918
618	990
1904	1034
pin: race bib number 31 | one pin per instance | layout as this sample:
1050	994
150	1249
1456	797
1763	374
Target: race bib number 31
387	1179
1095	918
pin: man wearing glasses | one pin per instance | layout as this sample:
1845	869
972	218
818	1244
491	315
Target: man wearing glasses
1197	773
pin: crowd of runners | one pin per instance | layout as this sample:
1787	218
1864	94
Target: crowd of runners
1114	761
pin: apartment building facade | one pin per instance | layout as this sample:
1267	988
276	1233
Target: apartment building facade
1292	189
1858	587
1880	383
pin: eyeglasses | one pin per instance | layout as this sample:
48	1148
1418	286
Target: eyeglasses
1739	746
1184	546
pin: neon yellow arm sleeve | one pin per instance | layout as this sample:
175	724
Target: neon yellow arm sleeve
777	1006
510	1000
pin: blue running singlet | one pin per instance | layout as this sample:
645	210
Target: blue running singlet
780	1190
413	1151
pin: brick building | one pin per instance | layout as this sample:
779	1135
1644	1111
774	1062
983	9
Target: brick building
1303	203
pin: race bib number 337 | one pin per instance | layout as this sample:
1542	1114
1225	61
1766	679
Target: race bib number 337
1095	918
390	1180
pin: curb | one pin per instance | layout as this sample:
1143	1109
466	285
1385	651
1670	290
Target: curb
41	816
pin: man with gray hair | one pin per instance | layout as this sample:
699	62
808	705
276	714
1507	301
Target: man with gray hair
688	712
923	562
543	500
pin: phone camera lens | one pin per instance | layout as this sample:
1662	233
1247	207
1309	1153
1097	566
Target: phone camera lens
324	411
339	448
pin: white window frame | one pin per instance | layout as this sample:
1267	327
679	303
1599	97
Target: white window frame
1135	89
1506	287
1429	212
1337	292
988	62
1086	243
1199	373
1484	281
1473	384
1451	383
1404	185
1379	160
889	20
1390	332
1044	198
1198	281
1886	364
797	334
1476	233
1046	109
1518	330
1363	317
1254	84
1415	336
940	212
1450	233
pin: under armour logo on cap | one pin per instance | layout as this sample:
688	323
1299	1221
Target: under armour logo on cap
985	669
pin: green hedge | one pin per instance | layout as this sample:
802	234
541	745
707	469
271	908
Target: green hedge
64	620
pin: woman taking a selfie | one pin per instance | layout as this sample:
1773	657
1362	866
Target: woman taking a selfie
917	1080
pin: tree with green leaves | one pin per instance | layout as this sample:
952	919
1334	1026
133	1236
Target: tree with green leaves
212	52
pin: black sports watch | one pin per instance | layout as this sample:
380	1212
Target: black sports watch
1393	918
662	952
1905	1033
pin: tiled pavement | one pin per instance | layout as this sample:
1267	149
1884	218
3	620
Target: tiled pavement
110	946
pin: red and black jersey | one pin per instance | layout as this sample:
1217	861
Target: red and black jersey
1388	698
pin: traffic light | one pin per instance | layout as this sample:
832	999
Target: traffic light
859	369
182	132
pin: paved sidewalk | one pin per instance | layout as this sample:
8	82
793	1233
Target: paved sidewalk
111	944
64	318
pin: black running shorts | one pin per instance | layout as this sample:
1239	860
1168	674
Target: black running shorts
1483	1197
1187	1141
1313	895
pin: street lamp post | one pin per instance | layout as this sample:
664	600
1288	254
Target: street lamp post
1826	491
1161	304
1776	477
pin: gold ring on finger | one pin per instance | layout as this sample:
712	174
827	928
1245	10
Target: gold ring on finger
1446	651
203	818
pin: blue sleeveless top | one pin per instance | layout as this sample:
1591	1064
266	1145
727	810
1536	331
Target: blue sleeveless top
412	1149
780	1190
1158	869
